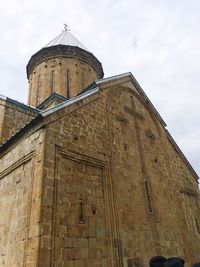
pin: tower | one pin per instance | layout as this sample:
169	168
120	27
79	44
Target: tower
64	66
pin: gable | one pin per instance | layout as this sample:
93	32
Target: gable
52	101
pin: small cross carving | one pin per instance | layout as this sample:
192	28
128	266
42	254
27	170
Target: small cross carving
122	119
133	113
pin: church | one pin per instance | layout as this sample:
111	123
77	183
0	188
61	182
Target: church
89	174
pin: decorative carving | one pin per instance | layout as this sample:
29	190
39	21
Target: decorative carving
150	135
152	112
122	119
125	147
133	113
75	156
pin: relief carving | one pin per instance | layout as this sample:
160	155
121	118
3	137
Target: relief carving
149	134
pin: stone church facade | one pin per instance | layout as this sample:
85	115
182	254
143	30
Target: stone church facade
89	175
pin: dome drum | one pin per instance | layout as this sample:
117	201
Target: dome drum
64	51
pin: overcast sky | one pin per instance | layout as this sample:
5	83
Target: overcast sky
157	40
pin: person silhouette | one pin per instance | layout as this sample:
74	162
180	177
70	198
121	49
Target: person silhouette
174	262
157	261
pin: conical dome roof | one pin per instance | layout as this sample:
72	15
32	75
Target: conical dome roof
65	45
66	38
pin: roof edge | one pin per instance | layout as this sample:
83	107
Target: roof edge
54	94
22	105
69	102
41	116
20	133
66	38
178	150
19	104
3	97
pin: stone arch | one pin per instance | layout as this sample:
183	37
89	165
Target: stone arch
115	89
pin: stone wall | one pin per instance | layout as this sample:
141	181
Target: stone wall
187	193
20	193
147	196
108	162
102	185
13	116
74	205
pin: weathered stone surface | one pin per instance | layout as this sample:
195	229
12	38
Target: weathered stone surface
12	118
117	193
20	194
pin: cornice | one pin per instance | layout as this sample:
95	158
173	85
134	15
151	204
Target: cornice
65	52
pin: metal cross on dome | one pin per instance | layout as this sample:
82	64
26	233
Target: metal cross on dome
66	27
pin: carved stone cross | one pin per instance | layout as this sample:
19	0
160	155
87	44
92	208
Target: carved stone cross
133	113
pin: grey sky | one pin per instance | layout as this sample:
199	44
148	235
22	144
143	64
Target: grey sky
157	40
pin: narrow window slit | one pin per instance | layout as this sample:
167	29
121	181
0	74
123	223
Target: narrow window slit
82	80
67	84
148	196
81	212
52	81
38	91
